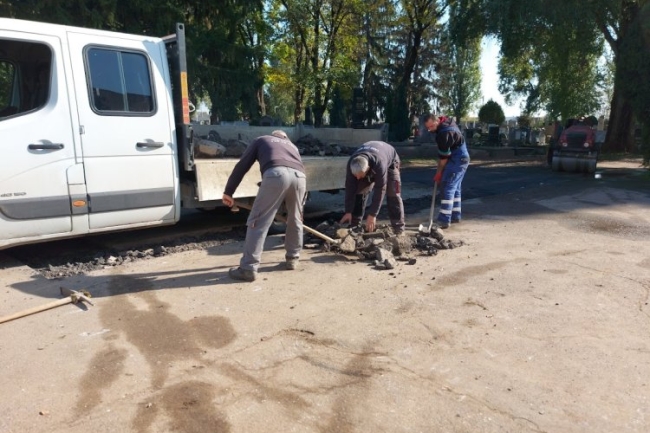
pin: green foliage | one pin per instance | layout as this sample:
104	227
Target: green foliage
225	43
379	21
550	50
491	113
411	51
524	120
131	16
459	86
459	75
550	53
324	36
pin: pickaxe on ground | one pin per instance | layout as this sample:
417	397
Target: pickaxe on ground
72	297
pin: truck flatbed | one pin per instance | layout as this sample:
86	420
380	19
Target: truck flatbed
323	173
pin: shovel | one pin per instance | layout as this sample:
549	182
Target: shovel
424	229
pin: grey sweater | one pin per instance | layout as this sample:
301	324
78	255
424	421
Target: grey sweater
381	156
269	151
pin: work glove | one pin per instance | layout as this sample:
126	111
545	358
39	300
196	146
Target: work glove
438	177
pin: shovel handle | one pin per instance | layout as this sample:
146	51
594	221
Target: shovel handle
433	203
284	220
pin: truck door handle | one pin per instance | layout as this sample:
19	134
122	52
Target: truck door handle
46	146
154	144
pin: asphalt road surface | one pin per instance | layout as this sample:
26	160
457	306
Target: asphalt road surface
483	179
538	322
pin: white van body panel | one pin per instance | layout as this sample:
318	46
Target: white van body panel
136	184
34	197
113	171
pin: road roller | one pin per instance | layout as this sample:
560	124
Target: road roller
576	150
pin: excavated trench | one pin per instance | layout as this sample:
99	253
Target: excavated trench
77	256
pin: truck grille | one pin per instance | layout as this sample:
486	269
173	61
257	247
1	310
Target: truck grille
576	140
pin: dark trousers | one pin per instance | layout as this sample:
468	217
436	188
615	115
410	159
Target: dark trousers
393	199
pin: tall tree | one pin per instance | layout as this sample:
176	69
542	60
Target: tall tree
411	48
287	73
574	23
378	22
459	86
323	29
222	59
491	112
459	76
550	55
615	20
634	61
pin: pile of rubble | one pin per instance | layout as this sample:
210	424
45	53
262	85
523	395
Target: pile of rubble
213	146
383	247
310	145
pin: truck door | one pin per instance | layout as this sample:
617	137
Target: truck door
36	139
127	130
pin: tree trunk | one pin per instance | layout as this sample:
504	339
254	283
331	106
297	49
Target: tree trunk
620	131
400	126
298	98
261	104
318	115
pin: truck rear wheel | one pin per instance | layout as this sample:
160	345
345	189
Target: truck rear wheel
277	228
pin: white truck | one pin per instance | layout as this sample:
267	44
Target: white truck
96	135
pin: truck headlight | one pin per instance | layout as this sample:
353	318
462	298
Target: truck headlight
565	144
586	144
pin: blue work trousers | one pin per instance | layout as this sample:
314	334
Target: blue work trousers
450	185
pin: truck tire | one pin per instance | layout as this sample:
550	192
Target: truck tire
277	228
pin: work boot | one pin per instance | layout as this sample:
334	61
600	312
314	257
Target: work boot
242	274
291	263
443	226
455	220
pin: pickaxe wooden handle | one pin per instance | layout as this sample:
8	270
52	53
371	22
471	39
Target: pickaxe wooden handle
284	220
72	297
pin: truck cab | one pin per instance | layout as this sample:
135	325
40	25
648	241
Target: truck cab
88	132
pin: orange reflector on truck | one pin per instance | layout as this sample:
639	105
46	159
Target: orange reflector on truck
79	203
185	98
